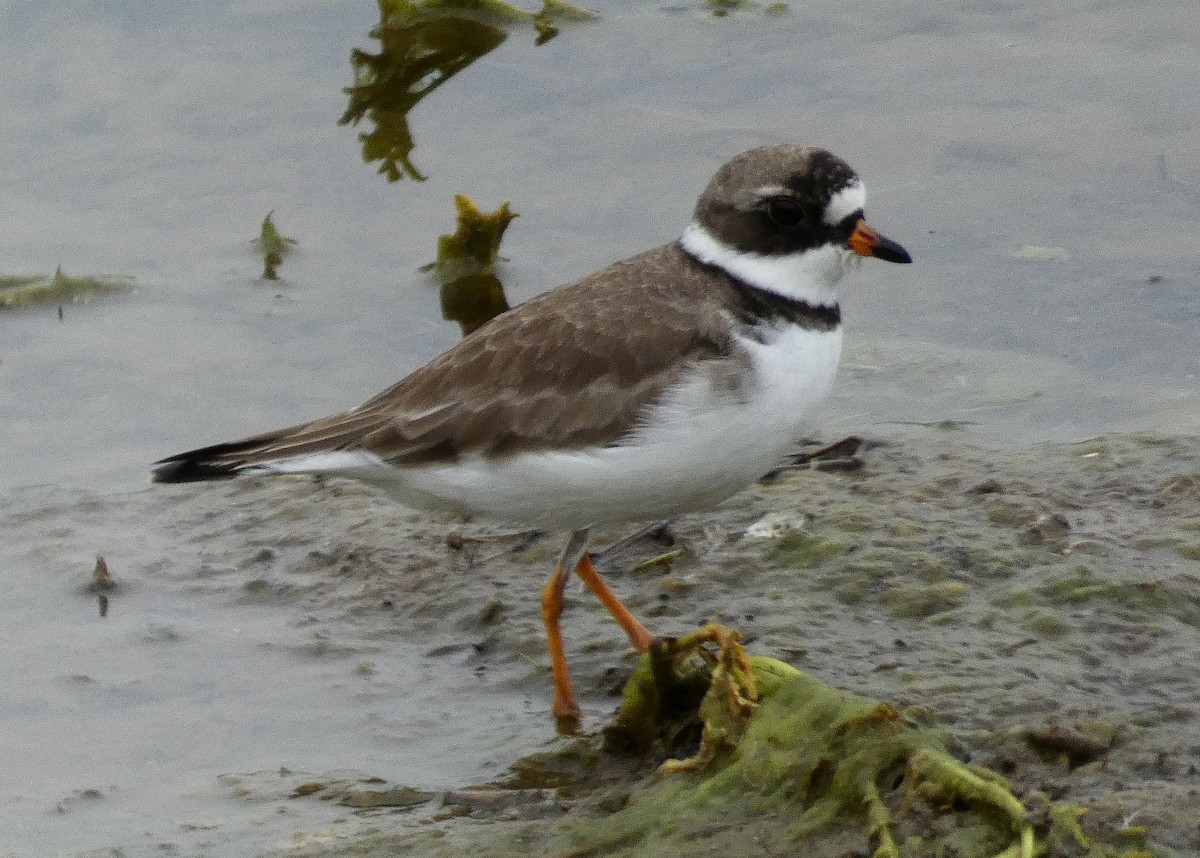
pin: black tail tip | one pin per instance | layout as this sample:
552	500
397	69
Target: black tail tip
188	469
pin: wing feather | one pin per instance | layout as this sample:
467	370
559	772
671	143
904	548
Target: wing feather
574	367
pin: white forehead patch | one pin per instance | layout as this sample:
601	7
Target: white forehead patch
846	202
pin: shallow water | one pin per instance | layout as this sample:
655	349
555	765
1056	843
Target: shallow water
1037	164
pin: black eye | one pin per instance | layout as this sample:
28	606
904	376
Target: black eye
785	212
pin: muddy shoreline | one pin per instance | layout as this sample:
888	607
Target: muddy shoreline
1041	592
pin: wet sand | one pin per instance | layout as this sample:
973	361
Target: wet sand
346	638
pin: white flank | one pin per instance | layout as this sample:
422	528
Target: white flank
701	444
810	275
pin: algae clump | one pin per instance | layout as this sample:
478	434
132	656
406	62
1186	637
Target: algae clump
471	293
797	757
272	246
20	291
424	43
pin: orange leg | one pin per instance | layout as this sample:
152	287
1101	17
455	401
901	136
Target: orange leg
574	557
564	706
640	636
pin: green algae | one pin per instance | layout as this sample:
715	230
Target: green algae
423	45
1135	601
811	769
724	8
499	11
797	548
1190	551
797	756
991	563
1182	490
853	521
18	292
1012	513
1044	623
474	245
273	247
471	293
921	602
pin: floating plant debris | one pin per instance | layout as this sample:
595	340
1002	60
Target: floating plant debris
776	741
20	291
273	247
466	261
423	45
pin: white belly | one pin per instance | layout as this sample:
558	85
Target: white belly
702	444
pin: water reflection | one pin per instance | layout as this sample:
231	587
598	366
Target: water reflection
466	262
423	45
419	51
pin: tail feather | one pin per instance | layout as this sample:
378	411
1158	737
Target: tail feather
218	462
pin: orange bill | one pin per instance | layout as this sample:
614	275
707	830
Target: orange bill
867	242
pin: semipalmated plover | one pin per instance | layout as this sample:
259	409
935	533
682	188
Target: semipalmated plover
661	384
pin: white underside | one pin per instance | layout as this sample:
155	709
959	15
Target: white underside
701	444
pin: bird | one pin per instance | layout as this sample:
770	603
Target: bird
661	384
